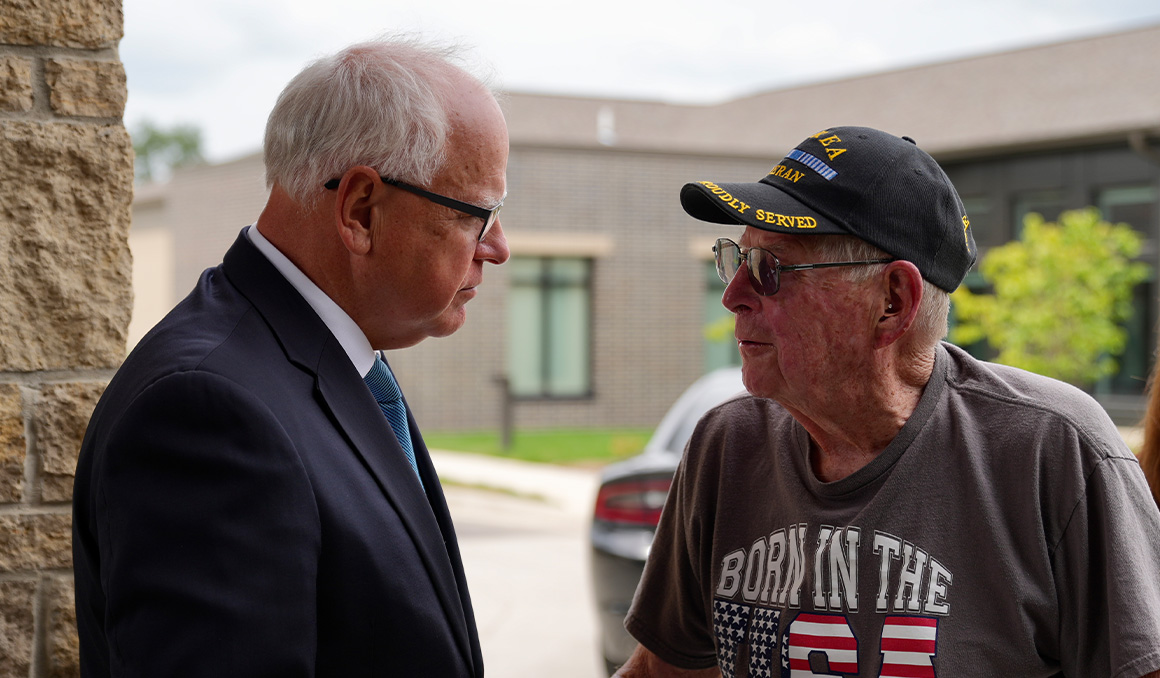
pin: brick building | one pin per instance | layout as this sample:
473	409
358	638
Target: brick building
599	319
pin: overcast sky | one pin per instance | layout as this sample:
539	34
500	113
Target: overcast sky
219	64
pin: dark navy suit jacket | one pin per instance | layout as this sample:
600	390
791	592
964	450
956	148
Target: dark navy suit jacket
242	507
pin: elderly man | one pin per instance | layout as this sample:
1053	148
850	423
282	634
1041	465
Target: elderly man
253	498
884	504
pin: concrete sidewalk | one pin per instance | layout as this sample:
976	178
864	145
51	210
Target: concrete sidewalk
572	490
523	534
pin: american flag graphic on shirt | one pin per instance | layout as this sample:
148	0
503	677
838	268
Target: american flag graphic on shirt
825	633
908	643
884	623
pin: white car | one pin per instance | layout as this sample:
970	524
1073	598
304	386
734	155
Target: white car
628	507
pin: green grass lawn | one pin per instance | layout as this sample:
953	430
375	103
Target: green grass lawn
569	447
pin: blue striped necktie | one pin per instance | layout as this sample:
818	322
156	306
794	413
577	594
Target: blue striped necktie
386	391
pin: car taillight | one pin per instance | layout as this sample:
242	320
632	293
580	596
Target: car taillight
638	502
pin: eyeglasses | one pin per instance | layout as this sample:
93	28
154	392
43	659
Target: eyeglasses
764	268
489	215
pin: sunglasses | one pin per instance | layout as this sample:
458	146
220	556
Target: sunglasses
764	268
489	215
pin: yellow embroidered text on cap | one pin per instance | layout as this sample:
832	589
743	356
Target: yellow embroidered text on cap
787	173
725	196
785	220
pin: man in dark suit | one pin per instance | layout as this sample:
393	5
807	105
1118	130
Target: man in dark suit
242	505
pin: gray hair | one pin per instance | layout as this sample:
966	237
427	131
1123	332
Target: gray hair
931	323
381	104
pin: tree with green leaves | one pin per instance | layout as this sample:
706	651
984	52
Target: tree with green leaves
161	150
1062	293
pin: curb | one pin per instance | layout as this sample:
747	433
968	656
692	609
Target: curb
571	489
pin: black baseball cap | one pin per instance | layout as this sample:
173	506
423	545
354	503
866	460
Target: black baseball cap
854	181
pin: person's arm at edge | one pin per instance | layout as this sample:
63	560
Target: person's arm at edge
644	664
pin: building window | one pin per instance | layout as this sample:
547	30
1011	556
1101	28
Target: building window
984	226
1137	207
1133	205
549	327
720	346
1047	204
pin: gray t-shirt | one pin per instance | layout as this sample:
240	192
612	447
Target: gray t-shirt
1006	531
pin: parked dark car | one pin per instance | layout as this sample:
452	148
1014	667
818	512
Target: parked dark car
628	507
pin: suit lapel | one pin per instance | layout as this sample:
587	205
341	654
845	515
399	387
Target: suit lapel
342	392
439	506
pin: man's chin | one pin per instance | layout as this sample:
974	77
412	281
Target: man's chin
449	323
756	381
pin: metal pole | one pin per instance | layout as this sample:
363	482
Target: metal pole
506	407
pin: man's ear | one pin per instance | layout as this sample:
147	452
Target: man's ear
902	295
356	207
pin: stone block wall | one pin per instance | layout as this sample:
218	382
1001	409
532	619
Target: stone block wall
66	174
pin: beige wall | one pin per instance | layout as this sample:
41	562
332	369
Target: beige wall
154	265
184	226
66	172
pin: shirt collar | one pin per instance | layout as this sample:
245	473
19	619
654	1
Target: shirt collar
348	333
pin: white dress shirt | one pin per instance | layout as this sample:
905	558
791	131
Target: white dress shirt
350	337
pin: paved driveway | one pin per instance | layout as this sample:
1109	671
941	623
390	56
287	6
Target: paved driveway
527	563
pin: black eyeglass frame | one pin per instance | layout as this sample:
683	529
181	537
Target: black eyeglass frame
489	216
745	256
